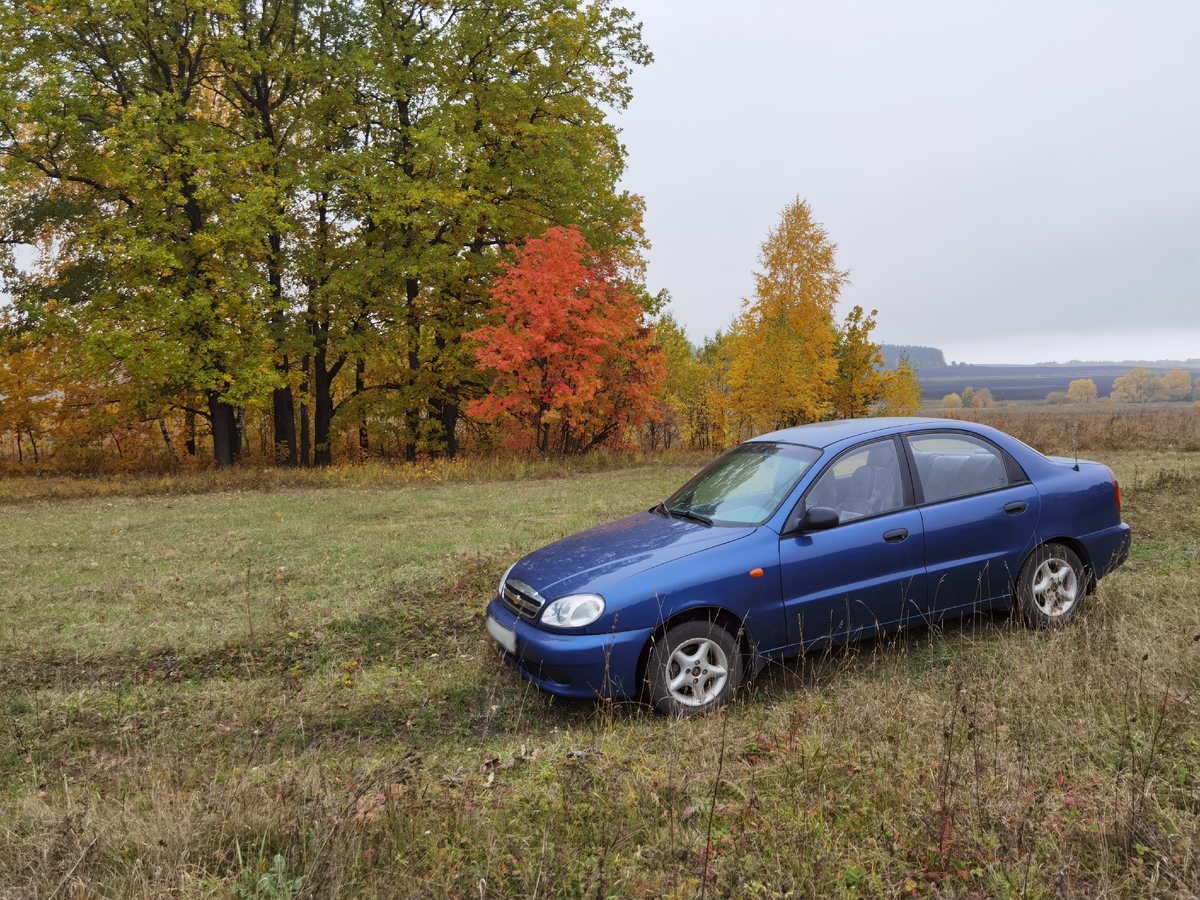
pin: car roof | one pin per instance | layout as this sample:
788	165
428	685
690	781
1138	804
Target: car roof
825	434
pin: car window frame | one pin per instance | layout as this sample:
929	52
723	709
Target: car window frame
1016	474
791	525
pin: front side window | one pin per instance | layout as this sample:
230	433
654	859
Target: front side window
746	485
864	482
955	465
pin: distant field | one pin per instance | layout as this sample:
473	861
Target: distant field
281	693
1023	382
1091	427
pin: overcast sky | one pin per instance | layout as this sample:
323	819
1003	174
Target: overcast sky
1009	182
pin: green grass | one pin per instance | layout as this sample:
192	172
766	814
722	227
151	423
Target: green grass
214	700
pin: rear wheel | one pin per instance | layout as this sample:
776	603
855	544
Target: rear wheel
694	669
1051	586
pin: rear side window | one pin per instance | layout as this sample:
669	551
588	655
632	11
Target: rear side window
955	465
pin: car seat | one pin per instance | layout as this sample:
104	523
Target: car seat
872	490
883	456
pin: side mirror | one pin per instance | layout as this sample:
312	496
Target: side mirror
818	518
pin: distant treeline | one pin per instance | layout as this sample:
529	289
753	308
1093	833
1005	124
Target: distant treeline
920	357
1008	383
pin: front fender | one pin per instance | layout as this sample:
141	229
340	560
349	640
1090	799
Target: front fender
720	578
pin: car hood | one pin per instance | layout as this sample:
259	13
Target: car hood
596	559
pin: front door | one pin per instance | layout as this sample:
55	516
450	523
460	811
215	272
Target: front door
852	579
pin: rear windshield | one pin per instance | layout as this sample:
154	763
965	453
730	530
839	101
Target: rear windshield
746	485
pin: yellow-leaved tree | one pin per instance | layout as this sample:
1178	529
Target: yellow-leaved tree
861	379
1082	390
902	391
682	407
782	360
1178	384
1139	385
715	357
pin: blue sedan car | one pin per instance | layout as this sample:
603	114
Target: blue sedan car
803	537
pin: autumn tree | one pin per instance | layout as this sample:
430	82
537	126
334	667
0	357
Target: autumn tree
715	356
983	399
782	357
952	401
239	202
27	399
147	207
479	125
902	391
1178	384
860	381
681	401
1139	385
968	397
1082	390
574	364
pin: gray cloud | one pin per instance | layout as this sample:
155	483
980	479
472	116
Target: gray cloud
1015	180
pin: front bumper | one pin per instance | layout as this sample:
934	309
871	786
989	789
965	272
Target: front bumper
1108	549
574	665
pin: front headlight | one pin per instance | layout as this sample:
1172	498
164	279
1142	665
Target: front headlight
574	610
504	578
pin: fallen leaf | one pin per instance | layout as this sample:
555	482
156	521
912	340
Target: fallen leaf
687	814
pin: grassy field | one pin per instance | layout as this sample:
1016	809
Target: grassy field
281	689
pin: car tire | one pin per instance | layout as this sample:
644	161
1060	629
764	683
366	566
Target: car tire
694	668
1051	586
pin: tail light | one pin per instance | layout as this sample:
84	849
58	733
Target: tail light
1116	490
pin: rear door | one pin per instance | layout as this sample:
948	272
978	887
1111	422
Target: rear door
979	514
850	580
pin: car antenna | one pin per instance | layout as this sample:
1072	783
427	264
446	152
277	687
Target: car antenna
1074	448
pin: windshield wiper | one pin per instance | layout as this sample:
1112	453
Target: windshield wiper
688	514
662	504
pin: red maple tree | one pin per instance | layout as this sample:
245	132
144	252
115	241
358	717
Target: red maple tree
575	365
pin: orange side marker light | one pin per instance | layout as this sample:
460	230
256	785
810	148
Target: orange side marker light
756	573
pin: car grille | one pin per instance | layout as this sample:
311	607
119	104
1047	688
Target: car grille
521	599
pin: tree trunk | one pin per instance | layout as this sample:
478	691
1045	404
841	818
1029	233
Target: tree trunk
189	422
305	437
446	406
224	429
323	408
239	431
413	418
162	426
448	413
360	370
283	415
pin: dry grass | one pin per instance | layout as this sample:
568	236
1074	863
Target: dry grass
1048	429
380	750
31	487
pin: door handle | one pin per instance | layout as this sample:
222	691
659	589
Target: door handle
1016	507
896	535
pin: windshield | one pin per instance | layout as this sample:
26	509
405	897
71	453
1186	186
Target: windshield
746	485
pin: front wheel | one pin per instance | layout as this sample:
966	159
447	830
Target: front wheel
1051	586
694	669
